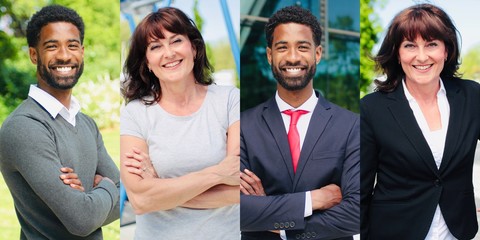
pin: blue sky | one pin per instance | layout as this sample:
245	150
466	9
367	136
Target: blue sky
214	24
464	13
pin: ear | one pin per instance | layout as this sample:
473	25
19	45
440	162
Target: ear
318	53
33	54
269	55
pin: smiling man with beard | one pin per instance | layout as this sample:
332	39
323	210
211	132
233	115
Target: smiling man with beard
52	157
299	153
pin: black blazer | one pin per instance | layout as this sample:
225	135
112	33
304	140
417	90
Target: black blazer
330	154
408	184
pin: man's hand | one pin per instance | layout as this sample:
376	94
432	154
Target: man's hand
139	163
70	178
326	197
250	184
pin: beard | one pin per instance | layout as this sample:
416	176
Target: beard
59	82
293	83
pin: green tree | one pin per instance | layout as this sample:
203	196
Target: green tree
369	29
470	67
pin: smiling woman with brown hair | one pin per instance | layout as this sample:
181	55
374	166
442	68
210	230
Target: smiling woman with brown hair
179	135
419	133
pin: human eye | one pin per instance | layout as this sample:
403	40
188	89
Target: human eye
154	46
281	48
408	45
177	40
51	47
304	47
432	44
74	46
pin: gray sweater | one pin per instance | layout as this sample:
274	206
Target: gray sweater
33	148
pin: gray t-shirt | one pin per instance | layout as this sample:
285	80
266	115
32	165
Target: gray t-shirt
179	145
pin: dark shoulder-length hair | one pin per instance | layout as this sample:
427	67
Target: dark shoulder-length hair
139	81
425	20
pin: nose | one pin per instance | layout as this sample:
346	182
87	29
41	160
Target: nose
63	54
292	55
169	52
422	55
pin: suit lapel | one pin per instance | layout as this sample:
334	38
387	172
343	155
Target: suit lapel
403	115
318	122
274	121
457	103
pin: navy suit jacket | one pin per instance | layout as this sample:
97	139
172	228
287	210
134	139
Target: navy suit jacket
330	154
409	186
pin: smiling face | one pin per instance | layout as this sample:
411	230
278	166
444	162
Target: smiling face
293	56
58	55
422	61
171	58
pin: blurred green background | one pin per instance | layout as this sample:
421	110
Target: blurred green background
97	89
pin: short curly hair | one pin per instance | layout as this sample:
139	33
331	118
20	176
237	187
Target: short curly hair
293	14
50	14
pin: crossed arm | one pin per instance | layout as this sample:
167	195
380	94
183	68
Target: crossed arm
212	187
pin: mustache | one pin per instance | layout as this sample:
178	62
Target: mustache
61	63
293	64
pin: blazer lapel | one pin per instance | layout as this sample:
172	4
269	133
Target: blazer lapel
403	114
274	121
318	122
457	103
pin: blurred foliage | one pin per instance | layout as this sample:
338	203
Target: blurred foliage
470	67
102	56
369	30
101	100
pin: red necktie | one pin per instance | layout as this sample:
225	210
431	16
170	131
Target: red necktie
293	136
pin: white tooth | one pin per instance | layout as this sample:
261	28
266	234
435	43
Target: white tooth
172	64
422	67
293	69
64	69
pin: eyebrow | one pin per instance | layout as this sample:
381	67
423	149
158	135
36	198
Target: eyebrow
56	41
298	42
156	39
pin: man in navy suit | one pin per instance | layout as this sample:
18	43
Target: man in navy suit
299	153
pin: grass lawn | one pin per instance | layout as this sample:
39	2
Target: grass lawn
9	226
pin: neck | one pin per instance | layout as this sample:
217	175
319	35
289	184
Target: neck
180	93
63	96
295	98
423	92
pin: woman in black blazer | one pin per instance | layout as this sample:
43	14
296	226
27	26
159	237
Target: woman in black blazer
419	131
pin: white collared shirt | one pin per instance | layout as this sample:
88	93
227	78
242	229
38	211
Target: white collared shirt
302	126
436	142
53	106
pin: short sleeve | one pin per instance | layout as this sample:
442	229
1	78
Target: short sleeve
233	106
131	122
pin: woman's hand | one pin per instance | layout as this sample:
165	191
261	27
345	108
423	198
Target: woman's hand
70	178
139	163
229	170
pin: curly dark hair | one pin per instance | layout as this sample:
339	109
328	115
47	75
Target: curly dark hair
425	20
293	14
50	14
139	81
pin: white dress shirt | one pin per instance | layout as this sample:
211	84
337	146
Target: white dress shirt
436	141
53	106
302	126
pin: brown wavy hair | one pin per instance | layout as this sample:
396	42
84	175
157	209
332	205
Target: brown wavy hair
139	81
428	21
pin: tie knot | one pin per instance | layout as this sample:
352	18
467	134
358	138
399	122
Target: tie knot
294	115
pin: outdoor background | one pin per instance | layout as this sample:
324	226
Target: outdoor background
338	71
210	20
97	89
376	15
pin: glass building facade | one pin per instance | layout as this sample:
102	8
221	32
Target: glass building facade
337	73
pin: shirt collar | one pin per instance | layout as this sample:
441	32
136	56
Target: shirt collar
51	104
409	96
308	105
